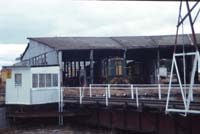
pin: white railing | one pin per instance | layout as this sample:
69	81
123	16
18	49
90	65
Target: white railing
135	92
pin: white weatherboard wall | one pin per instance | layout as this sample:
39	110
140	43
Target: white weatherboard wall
18	94
45	94
27	95
35	49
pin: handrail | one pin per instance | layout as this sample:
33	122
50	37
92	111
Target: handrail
133	90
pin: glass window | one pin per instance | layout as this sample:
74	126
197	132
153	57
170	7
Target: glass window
18	79
55	80
41	80
34	80
48	80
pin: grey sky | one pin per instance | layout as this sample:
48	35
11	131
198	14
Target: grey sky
20	19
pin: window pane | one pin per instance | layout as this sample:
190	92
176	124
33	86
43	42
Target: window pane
34	80
18	79
55	80
41	80
48	80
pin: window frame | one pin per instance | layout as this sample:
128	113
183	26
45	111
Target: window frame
53	82
18	83
37	80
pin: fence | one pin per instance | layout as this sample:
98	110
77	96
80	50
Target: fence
132	91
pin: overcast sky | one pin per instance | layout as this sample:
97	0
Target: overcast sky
20	19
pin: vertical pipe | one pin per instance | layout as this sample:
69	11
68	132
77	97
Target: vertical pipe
158	65
159	92
91	66
106	95
132	92
60	86
90	90
59	117
109	91
62	105
158	73
137	100
80	95
61	67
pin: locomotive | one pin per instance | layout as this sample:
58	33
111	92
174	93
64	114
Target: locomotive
114	71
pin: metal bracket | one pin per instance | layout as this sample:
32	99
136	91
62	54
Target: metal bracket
186	98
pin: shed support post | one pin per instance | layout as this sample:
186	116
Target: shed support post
61	67
91	66
124	56
75	70
71	69
60	108
158	65
67	66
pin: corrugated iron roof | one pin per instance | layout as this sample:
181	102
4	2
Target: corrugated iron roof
73	43
126	42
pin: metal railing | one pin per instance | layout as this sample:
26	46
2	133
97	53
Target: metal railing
132	91
135	92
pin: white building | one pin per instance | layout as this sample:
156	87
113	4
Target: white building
33	85
51	62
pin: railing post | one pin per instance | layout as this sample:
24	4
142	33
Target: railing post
132	92
80	95
90	90
108	90
137	100
159	92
